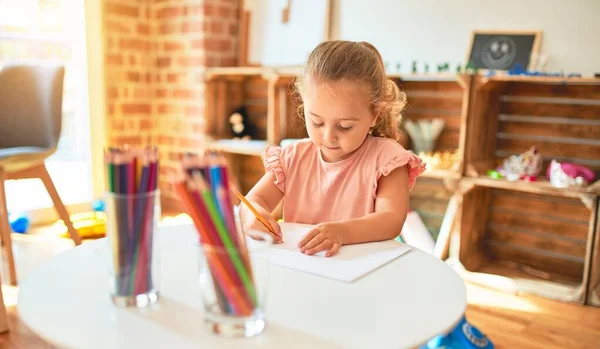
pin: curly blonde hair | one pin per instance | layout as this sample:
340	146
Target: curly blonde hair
338	60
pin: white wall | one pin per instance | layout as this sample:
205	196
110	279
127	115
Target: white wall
436	31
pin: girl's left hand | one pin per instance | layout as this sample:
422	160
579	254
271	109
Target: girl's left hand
323	237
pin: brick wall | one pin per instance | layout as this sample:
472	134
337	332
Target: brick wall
156	54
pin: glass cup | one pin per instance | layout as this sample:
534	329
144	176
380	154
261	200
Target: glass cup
233	283
132	221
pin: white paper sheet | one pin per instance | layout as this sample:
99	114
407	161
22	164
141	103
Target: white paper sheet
351	262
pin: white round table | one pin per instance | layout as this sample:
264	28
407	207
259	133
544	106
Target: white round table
400	305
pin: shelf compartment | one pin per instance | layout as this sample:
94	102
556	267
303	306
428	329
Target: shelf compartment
534	243
511	114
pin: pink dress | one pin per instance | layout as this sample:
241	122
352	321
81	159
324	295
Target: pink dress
316	191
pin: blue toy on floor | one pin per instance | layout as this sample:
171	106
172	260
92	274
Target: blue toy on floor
19	222
463	336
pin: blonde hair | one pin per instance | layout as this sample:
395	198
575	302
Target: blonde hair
337	60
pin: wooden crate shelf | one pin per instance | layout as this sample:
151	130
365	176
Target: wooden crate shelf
521	236
525	242
241	147
509	115
441	96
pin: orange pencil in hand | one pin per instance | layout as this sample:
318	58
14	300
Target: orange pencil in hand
254	211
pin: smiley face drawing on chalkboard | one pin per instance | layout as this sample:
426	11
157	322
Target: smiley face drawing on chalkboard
499	52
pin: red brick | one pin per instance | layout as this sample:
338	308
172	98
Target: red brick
145	124
223	11
143	28
186	94
212	61
173	46
133	76
118	125
112	92
233	29
111	109
132	60
193	111
190	142
172	77
191	61
198	44
136	108
148	77
142	93
170	12
163	62
228	61
113	26
218	45
114	8
134	44
217	27
114	59
161	93
195	10
168	28
209	10
129	140
192	27
166	140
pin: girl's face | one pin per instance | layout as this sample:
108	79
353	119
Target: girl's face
338	116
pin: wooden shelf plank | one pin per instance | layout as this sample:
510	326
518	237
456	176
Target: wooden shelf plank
424	77
249	147
541	186
544	79
441	174
512	280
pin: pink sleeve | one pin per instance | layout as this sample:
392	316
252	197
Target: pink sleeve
273	163
415	164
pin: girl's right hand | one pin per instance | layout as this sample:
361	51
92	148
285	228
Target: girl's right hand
250	223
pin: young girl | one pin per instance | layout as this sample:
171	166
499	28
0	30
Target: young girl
350	177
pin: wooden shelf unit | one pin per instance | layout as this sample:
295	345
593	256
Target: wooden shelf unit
530	237
266	94
444	96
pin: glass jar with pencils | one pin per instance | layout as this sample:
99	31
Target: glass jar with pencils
132	216
232	269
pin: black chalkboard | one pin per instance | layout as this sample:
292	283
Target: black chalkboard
502	51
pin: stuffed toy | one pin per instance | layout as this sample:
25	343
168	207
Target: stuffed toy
241	128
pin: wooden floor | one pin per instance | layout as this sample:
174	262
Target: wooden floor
510	321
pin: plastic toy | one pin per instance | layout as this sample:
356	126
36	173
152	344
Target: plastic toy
89	225
494	174
241	128
527	165
463	336
98	205
19	222
564	175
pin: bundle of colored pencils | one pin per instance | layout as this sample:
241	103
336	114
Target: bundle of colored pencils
202	188
132	177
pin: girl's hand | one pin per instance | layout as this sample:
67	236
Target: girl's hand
323	237
250	222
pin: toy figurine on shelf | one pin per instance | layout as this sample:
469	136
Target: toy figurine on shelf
241	128
565	175
414	67
525	166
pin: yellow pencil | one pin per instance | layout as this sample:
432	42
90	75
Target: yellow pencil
258	216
